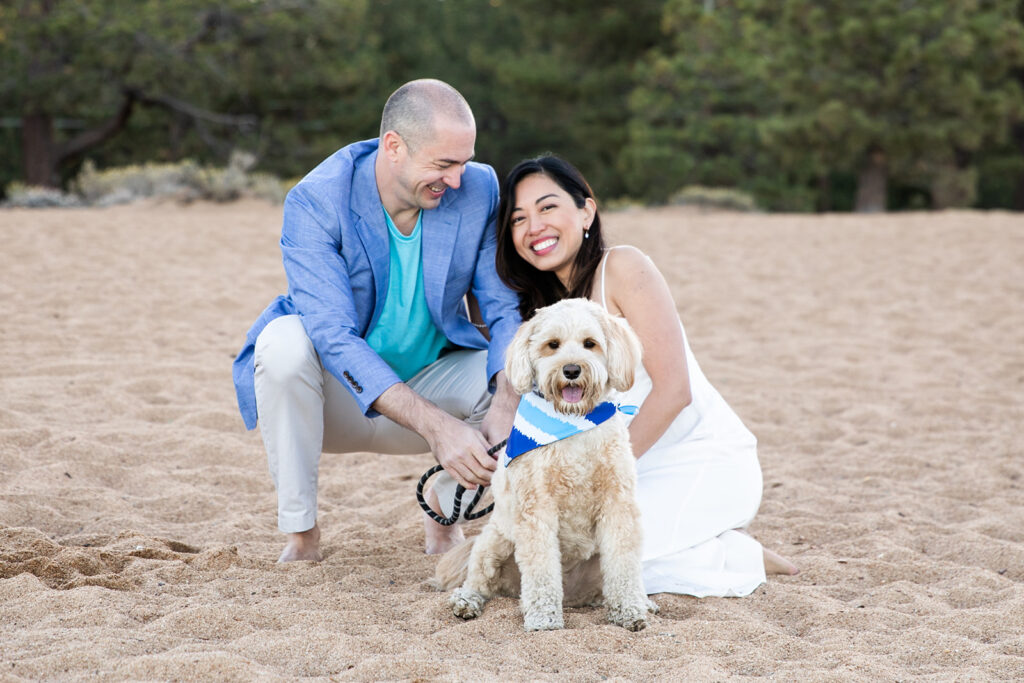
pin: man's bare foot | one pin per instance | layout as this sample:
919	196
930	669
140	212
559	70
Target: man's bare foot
440	538
777	564
304	545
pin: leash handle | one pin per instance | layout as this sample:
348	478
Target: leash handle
471	512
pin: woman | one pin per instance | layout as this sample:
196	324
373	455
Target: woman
699	480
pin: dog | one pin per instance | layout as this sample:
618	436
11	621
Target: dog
565	511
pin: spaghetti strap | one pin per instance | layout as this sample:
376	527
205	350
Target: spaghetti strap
604	264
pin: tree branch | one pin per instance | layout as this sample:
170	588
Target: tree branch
100	134
180	106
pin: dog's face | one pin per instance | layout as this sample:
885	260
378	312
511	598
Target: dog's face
575	353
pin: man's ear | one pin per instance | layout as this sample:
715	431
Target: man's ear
392	145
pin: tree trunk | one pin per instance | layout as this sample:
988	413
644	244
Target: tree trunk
872	184
1018	137
39	150
44	155
824	200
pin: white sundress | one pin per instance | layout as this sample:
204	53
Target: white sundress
698	484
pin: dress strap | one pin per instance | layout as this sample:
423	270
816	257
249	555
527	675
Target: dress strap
604	264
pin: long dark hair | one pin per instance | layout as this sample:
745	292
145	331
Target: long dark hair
537	288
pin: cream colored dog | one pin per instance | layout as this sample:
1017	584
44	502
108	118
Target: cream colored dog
567	508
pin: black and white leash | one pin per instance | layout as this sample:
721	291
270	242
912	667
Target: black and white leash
471	512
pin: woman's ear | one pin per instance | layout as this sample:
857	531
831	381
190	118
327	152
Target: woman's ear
518	366
623	352
589	210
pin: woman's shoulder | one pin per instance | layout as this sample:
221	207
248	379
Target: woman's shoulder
628	277
625	260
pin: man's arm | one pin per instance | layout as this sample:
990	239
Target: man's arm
459	448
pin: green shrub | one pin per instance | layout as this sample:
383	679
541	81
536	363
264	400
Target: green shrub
24	196
714	198
184	181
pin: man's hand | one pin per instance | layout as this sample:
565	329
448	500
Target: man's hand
457	447
497	424
462	452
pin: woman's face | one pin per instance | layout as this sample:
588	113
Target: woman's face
547	226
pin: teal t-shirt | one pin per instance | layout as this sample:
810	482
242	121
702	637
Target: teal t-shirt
405	336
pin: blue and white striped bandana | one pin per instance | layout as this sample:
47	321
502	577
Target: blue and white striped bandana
537	424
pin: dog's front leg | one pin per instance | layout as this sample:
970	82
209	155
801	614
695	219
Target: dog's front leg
490	550
620	546
540	564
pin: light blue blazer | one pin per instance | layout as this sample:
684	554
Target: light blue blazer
334	241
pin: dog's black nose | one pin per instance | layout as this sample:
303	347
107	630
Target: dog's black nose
571	371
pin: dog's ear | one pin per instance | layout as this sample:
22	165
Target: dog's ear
623	352
518	366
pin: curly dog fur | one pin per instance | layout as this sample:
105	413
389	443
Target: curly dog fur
566	512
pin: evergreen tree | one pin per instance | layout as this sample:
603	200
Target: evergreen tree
218	72
883	89
698	104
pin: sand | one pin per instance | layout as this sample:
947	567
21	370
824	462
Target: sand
880	361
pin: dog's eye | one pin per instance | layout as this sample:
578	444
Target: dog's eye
589	343
553	344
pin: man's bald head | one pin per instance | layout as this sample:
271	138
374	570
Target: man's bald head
414	109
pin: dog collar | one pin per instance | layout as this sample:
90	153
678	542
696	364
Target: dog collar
537	424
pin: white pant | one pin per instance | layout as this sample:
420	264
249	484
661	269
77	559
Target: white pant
304	411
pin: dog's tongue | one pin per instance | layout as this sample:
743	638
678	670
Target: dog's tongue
572	394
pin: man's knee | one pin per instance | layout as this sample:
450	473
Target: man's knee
284	352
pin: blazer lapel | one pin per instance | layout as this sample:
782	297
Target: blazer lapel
372	229
440	231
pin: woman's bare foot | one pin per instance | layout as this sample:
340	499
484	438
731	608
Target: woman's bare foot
440	538
304	545
777	564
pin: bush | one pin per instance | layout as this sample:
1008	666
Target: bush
714	198
130	183
184	181
20	195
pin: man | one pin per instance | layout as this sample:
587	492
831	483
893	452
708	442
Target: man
373	349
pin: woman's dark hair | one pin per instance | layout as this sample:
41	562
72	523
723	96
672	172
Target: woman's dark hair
537	288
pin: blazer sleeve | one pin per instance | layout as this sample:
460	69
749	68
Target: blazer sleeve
498	303
319	286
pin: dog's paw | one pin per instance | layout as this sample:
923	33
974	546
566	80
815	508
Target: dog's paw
652	606
466	603
630	617
543	621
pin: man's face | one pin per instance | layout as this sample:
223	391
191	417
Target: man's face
436	165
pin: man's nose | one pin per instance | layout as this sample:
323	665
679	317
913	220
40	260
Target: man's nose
453	178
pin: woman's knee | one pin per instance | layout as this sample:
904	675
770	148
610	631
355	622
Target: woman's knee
284	352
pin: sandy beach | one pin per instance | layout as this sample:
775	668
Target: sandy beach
879	360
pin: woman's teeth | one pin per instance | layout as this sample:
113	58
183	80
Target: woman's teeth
543	244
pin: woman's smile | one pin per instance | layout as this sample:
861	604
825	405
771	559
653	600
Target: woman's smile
544	246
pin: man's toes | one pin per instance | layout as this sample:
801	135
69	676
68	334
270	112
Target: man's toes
295	554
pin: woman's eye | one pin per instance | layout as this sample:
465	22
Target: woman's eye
549	206
516	220
589	343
